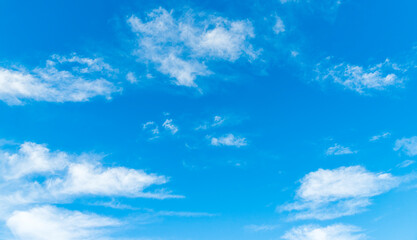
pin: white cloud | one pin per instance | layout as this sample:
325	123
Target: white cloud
332	232
170	126
261	228
184	214
217	121
36	175
279	26
377	137
360	79
153	128
131	77
51	84
47	222
339	150
228	140
180	47
31	158
407	145
328	194
90	179
84	65
405	163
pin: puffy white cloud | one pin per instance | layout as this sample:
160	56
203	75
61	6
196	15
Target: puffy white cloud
377	137
228	140
35	174
90	179
52	84
407	145
339	150
31	158
170	126
327	194
332	232
180	47
362	79
47	222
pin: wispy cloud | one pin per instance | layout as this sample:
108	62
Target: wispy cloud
279	26
261	228
229	140
407	145
362	79
181	47
405	163
36	175
168	124
48	222
378	137
329	194
63	79
339	150
332	232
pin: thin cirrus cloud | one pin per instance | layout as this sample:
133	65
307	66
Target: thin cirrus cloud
332	232
229	140
339	150
328	194
361	79
261	228
181	46
381	136
48	222
63	79
407	146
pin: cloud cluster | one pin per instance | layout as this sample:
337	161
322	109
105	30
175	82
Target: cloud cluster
181	46
362	79
328	194
34	177
63	79
332	232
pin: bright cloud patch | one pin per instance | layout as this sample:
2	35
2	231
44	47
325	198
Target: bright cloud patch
332	232
362	79
228	140
170	126
338	150
407	145
328	194
89	179
47	222
36	175
31	158
63	79
180	47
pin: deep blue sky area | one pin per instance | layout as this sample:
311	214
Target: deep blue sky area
284	119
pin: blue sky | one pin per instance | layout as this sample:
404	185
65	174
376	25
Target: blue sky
285	119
